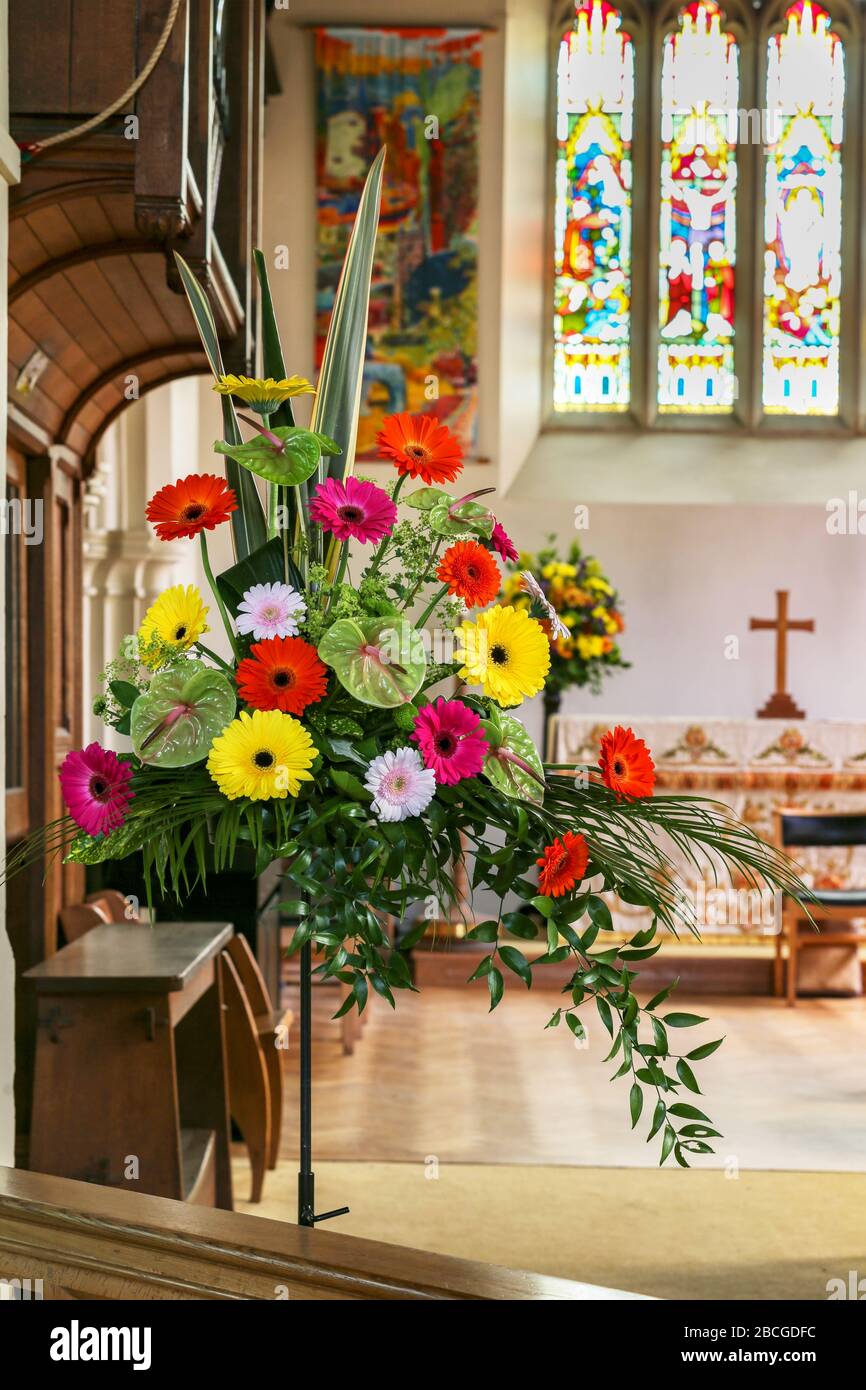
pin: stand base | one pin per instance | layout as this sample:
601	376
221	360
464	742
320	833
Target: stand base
781	706
307	1202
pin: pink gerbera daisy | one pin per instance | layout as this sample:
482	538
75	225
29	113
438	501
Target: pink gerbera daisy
451	740
96	788
501	541
353	510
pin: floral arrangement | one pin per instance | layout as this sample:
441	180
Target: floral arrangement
587	614
333	738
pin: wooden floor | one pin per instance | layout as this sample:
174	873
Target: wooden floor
441	1079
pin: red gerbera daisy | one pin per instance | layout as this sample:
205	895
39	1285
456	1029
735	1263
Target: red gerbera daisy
626	765
282	673
197	503
420	447
562	865
470	572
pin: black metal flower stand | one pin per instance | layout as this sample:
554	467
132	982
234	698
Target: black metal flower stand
306	1177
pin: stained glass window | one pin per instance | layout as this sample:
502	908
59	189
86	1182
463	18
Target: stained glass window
803	215
697	234
592	294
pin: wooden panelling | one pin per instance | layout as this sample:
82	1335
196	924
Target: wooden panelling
106	1244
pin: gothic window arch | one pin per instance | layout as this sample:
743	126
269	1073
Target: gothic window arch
705	205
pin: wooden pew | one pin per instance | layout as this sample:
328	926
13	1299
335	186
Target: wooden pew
86	1241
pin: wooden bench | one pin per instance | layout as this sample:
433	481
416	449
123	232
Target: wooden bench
130	1083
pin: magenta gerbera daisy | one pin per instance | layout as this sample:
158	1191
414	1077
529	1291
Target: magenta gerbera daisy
96	788
452	742
502	542
353	510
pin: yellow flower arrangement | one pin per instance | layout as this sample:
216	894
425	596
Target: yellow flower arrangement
577	609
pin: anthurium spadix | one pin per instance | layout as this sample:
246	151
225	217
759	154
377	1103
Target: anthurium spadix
513	764
380	662
175	721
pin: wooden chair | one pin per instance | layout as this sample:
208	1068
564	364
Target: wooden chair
796	828
255	1036
112	902
272	1029
81	918
249	1089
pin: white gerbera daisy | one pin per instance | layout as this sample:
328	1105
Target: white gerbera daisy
400	784
271	610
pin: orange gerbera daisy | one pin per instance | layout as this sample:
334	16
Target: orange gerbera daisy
470	572
562	865
626	765
420	447
282	673
197	503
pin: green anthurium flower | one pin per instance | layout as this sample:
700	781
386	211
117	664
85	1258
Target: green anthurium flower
513	764
426	497
380	662
178	717
286	455
463	516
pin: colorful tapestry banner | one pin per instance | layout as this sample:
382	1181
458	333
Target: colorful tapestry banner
418	92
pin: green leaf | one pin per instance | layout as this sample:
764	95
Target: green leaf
553	1021
635	1103
263	566
249	530
175	721
662	995
380	661
575	1025
294	464
688	1112
516	961
705	1050
349	785
124	693
668	1142
683	1020
485	931
495	985
658	1119
687	1076
518	925
507	736
599	914
338	396
604	1013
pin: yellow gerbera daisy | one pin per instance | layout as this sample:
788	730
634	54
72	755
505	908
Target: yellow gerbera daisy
264	396
262	755
172	624
506	652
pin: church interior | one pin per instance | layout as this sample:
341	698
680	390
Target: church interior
613	264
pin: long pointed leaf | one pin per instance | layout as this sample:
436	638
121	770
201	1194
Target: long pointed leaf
338	396
249	531
273	365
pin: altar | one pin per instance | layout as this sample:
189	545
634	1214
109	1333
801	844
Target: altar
754	766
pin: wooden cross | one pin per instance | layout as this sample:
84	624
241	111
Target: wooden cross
780	705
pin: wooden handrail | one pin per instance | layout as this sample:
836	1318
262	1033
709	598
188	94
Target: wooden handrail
100	1242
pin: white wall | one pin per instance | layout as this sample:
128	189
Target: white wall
9	174
692	576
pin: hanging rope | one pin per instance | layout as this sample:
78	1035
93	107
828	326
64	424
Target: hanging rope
38	146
